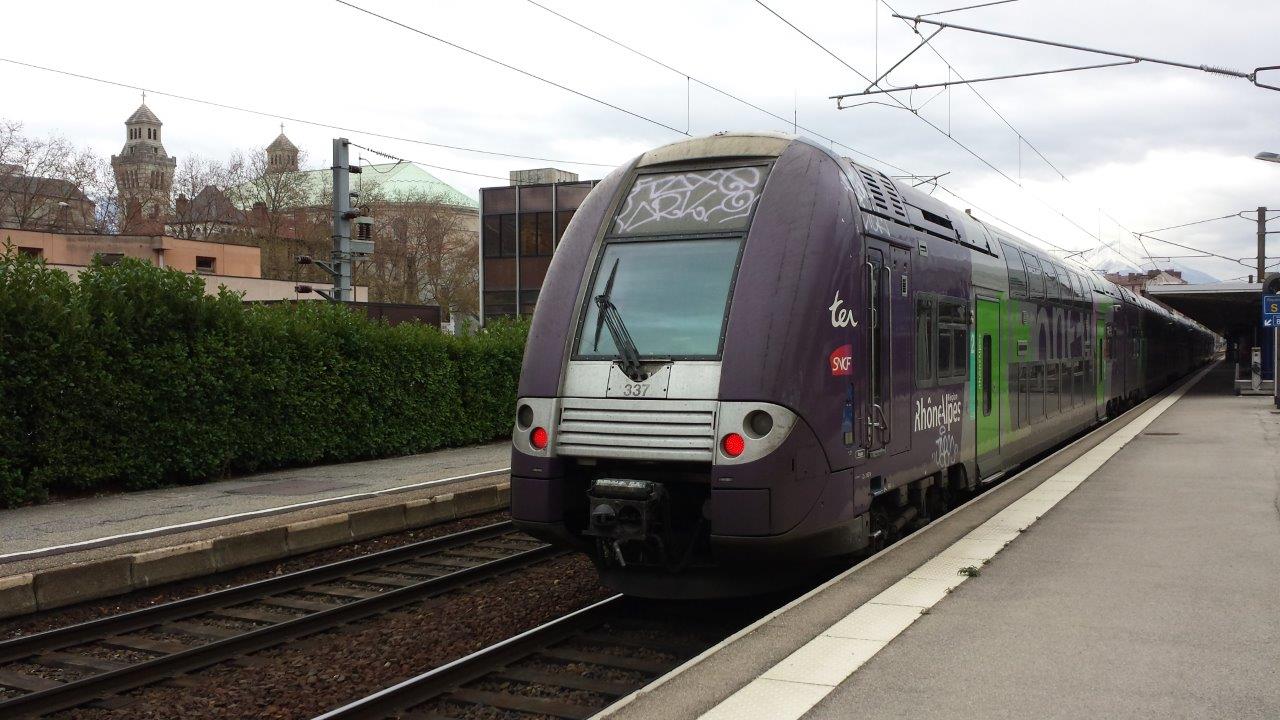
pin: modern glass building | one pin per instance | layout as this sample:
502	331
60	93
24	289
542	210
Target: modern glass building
521	225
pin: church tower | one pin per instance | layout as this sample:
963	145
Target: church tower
282	154
143	170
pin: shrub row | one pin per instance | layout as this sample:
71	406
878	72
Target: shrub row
132	378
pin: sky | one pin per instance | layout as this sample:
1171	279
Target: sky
1129	149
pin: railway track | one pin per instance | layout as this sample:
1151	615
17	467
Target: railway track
572	667
90	662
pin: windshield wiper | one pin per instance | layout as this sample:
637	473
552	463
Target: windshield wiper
608	316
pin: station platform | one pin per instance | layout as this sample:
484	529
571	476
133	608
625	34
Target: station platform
1134	574
86	528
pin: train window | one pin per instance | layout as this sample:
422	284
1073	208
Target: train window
1051	284
1069	286
1076	289
1017	272
1035	276
691	201
925	341
953	340
671	295
1035	390
986	375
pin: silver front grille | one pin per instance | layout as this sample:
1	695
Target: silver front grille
637	429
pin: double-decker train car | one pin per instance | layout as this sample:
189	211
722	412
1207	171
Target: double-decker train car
751	357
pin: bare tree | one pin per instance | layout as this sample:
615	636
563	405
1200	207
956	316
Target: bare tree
202	203
43	181
424	251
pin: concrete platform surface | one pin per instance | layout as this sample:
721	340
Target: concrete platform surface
1151	591
1133	574
75	529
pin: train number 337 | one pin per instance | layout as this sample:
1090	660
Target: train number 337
635	389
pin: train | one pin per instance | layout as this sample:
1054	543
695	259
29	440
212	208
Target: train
752	357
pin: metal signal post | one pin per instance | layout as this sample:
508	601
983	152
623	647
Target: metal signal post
345	250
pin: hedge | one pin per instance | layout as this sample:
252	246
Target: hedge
133	378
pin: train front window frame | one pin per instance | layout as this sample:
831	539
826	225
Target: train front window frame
617	250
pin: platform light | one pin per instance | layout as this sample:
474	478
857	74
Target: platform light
733	444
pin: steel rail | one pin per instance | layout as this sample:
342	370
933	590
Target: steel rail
23	647
109	683
432	683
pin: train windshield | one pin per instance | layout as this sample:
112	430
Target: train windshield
670	295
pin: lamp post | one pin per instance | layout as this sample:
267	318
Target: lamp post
1262	274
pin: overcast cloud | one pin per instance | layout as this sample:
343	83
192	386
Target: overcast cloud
1144	146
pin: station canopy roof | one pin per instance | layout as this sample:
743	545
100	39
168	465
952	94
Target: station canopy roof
1227	308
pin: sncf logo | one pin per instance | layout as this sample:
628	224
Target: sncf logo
841	360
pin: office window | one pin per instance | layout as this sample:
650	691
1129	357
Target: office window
492	236
32	252
204	264
562	221
545	242
507	233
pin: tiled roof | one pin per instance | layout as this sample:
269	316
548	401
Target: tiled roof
281	143
143	115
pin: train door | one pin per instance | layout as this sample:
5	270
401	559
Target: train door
888	316
900	358
988	389
879	341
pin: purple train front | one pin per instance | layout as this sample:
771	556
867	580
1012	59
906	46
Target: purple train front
751	355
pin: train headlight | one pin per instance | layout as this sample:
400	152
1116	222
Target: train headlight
733	445
538	438
758	423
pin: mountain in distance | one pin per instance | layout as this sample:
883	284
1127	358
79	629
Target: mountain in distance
1108	260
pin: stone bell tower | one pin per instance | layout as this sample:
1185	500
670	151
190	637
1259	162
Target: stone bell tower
143	170
282	154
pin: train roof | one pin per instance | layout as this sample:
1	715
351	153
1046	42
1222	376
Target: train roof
898	202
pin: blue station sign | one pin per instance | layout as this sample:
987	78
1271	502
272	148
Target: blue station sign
1271	311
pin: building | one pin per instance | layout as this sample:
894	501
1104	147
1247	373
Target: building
144	173
208	215
282	154
521	225
237	267
41	202
1138	282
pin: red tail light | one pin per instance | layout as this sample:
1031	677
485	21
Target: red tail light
733	444
538	438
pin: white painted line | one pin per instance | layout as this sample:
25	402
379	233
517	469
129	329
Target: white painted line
223	519
806	676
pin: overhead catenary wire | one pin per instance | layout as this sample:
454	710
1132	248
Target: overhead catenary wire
296	119
511	67
1022	139
926	121
767	112
690	78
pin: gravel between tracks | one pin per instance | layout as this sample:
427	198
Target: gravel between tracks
92	610
306	679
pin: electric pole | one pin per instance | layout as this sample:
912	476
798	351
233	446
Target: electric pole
342	217
345	250
1262	243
